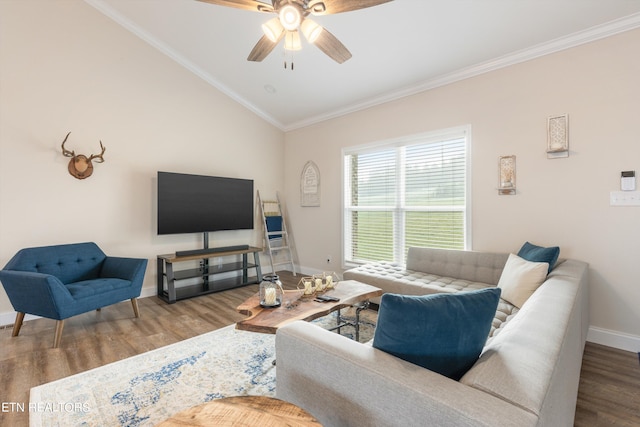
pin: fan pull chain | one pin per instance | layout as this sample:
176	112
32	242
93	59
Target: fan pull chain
285	60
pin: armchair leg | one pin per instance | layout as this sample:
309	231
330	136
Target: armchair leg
58	335
18	324
134	303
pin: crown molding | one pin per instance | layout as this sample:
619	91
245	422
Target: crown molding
609	29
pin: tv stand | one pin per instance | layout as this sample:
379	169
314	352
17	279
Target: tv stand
208	275
207	251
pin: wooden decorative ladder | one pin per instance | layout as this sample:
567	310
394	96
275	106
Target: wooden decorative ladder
276	236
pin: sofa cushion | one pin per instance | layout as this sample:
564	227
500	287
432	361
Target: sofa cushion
393	278
473	266
535	253
520	278
444	333
504	313
89	288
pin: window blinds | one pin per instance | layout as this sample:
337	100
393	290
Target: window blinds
402	195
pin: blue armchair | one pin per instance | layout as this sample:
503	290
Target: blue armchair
61	281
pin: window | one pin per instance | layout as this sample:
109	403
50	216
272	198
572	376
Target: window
412	192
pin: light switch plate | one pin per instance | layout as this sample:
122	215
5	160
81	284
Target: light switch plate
624	198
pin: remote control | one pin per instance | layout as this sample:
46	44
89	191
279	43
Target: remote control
327	298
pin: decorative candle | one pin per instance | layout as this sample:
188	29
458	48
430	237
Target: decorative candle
307	287
319	286
270	296
329	282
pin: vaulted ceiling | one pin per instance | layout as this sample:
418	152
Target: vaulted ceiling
399	48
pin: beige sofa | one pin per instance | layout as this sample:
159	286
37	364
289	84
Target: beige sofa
527	375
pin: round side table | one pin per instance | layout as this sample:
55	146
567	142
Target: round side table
247	411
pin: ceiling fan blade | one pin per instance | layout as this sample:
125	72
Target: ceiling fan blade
329	44
254	5
263	48
329	7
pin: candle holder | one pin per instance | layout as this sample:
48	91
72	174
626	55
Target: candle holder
331	280
320	283
307	286
271	291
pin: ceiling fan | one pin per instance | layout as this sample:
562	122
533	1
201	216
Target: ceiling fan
292	19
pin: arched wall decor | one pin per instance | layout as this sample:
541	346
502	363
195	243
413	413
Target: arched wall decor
310	185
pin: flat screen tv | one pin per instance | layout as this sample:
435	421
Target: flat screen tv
199	204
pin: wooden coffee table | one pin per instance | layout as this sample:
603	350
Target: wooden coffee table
268	320
243	411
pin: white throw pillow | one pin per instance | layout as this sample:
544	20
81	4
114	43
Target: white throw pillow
520	278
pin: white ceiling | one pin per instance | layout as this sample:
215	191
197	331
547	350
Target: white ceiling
399	48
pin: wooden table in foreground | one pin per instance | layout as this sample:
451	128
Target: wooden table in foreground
268	320
247	411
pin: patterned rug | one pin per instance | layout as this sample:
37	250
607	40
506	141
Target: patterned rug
148	388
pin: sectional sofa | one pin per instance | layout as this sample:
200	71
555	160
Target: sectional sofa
527	374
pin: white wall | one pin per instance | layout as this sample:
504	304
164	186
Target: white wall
561	202
66	67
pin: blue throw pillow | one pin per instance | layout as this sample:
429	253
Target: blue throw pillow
534	253
444	333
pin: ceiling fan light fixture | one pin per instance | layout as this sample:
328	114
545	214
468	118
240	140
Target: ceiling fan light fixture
291	19
311	30
273	29
290	16
292	41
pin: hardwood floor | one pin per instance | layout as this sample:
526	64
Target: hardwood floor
609	393
100	337
609	385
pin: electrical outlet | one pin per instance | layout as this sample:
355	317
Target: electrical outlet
328	259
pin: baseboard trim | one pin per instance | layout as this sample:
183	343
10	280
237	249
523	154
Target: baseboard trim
614	339
151	291
306	271
8	319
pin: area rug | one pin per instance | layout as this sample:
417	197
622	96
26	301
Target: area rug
148	388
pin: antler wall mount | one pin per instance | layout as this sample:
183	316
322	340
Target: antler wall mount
81	166
292	19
